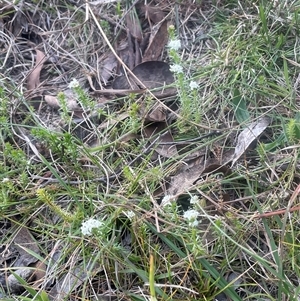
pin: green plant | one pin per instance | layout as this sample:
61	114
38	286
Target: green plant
104	208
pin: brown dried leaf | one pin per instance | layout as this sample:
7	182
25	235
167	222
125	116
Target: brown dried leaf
34	77
155	14
24	241
26	245
72	104
248	135
153	74
72	279
188	175
19	23
108	65
38	276
157	42
52	101
151	131
184	180
124	52
156	113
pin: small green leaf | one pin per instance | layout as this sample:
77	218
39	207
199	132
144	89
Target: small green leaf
264	23
240	108
44	296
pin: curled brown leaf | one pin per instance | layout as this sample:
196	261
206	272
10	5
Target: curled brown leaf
34	77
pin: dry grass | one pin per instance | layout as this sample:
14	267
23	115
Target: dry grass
61	166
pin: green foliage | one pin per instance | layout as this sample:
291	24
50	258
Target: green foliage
39	296
63	145
242	66
15	158
64	107
45	197
240	107
118	9
84	99
5	129
292	131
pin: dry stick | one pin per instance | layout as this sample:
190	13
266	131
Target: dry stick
277	212
136	79
285	211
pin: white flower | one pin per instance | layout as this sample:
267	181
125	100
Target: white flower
191	216
167	200
174	44
130	214
5	180
194	223
176	68
194	199
193	85
73	84
89	225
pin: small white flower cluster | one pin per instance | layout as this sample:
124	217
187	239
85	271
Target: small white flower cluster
174	45
191	216
130	214
89	225
73	84
166	200
176	68
194	200
193	85
5	180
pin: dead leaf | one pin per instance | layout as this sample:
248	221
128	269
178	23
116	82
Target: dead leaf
26	245
124	82
24	241
184	179
160	131
38	276
72	279
155	14
212	166
133	51
156	113
248	135
157	42
72	104
34	76
52	101
108	65
153	74
188	175
124	53
13	283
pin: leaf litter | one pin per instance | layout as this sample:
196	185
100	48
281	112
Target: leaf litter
157	131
